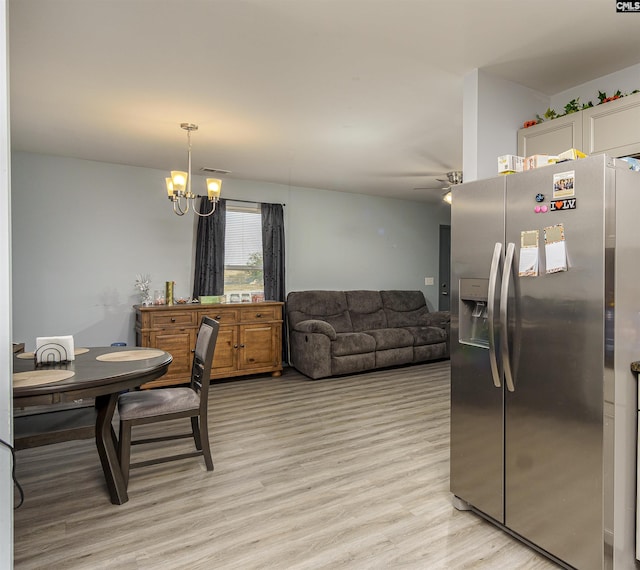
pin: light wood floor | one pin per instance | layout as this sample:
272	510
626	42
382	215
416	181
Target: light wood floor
347	473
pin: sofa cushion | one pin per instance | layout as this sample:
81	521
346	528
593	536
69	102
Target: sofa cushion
352	343
430	352
404	308
365	310
394	357
427	335
329	306
391	338
353	363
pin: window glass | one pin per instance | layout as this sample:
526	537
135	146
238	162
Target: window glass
243	277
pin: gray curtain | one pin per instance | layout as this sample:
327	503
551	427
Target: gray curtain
209	271
273	260
273	251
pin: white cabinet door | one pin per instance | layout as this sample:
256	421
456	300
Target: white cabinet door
613	127
551	137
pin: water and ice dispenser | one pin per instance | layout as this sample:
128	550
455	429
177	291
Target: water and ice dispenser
473	312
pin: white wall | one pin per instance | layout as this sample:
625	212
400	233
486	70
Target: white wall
493	112
82	230
6	418
626	80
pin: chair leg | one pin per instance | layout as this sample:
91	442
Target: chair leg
124	449
195	430
204	440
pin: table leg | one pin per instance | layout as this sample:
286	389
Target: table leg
106	444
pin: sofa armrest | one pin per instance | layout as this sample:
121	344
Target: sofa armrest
316	326
310	353
436	319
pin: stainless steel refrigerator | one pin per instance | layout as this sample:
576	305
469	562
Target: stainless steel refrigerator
545	323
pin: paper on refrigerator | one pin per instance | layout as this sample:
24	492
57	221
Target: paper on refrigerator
528	265
555	248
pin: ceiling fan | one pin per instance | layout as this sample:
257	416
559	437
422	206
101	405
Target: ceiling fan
453	177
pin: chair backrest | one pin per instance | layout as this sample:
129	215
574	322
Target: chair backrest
203	357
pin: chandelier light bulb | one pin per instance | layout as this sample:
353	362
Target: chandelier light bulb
214	186
179	180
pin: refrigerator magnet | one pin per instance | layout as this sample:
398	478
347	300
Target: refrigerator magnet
564	184
567	204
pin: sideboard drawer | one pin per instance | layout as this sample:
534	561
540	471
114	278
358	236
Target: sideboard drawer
173	319
257	314
224	316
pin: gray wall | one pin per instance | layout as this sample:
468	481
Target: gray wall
82	230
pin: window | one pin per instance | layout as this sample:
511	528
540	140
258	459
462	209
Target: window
243	277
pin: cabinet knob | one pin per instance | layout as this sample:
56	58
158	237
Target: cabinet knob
258	315
218	317
173	320
235	346
242	346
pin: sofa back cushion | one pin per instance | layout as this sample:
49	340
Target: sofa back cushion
366	310
328	306
404	308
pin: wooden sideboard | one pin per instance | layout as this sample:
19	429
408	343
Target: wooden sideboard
249	339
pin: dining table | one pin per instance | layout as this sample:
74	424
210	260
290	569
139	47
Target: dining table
99	373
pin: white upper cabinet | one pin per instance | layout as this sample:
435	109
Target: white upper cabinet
551	137
613	128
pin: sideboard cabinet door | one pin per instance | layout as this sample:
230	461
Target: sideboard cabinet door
178	343
258	346
225	357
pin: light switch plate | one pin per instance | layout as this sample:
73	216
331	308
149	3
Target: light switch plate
428	280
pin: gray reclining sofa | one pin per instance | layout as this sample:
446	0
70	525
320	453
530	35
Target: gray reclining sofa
341	332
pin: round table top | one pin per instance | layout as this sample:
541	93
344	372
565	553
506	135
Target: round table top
92	375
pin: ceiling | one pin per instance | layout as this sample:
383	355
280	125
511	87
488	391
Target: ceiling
349	95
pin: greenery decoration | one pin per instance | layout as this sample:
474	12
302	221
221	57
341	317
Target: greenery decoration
574	106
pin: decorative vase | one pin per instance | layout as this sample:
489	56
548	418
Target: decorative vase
168	294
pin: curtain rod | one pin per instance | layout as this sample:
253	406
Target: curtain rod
246	201
252	201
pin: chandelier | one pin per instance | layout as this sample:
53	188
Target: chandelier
179	184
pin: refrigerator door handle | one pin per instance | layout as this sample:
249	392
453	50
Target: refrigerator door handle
493	279
504	303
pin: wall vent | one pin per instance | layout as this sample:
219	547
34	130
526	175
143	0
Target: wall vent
214	170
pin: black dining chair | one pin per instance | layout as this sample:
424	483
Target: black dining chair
163	404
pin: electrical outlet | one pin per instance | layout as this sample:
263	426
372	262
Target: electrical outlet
428	280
